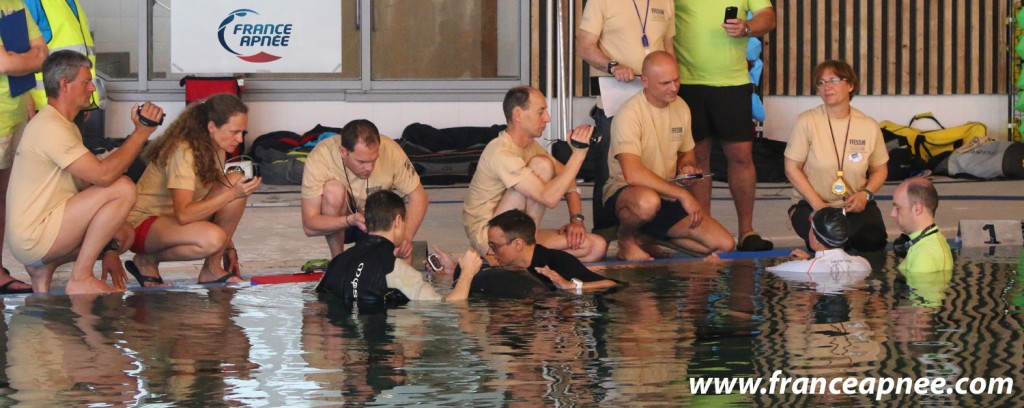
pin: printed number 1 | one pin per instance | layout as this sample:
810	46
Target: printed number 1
991	234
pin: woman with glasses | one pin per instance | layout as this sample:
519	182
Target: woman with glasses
187	207
836	157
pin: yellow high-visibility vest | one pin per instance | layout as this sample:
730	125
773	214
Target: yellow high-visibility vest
68	32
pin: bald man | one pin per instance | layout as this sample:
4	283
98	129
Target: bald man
913	207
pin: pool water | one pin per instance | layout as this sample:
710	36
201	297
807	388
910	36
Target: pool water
279	345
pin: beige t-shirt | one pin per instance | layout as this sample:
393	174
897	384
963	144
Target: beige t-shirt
810	144
655	134
40	186
154	194
393	171
620	29
502	165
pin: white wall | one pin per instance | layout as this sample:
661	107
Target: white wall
391	118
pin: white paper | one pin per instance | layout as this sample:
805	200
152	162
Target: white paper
614	93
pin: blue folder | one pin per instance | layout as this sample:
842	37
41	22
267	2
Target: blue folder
14	32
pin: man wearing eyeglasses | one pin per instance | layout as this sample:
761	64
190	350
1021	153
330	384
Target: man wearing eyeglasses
342	171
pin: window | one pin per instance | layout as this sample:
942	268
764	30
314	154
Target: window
441	48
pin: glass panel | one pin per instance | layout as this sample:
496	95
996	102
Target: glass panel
160	65
115	31
445	39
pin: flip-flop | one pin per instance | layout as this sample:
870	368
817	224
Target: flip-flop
5	289
143	279
222	279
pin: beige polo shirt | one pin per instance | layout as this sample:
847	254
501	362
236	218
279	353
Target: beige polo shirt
619	26
40	184
154	194
502	165
812	144
393	171
655	134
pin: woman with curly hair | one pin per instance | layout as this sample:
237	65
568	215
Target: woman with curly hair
187	207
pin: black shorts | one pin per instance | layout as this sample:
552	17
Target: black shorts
670	213
720	112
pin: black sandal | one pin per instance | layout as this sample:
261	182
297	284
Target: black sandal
143	279
5	289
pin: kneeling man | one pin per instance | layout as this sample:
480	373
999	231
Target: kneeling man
515	172
651	145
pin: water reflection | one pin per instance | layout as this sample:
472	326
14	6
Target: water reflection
280	345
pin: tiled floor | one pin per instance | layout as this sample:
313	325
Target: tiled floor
270	239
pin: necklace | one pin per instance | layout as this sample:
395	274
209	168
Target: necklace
839	187
643	24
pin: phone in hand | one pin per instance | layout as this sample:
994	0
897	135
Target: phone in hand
731	13
147	121
435	262
692	176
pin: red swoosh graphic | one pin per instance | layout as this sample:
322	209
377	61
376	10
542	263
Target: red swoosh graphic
261	57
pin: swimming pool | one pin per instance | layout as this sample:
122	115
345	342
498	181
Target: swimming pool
278	345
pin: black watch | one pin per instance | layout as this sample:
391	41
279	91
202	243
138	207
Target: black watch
871	196
612	64
111	246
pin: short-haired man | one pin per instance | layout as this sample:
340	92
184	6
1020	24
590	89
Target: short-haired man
651	145
359	269
830	230
515	172
511	238
913	207
53	221
342	171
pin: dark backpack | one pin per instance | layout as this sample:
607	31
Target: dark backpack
359	274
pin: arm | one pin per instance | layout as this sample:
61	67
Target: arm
551	193
575	230
187	211
795	174
586	48
762	23
415	211
470	263
27	62
315	223
876	178
566	284
104	172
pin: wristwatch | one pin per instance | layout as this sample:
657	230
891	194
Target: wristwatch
578	217
579	286
111	246
746	31
612	64
871	196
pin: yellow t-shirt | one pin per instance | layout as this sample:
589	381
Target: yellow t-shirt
620	29
40	186
810	144
154	194
393	171
656	135
502	165
14	111
706	54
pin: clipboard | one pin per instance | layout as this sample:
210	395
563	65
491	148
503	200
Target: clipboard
14	32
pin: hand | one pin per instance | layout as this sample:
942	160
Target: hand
404	249
111	265
555	278
243	189
356	220
688	169
470	263
855	203
447	263
799	254
693	208
574	233
230	260
735	27
582	135
150	111
623	73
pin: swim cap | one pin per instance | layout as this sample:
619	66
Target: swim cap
831	227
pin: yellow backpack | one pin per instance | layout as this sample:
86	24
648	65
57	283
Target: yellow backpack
927	144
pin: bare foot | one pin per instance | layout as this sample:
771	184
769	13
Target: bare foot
87	286
713	257
656	251
16	285
631	251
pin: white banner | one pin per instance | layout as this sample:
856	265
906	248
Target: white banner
255	36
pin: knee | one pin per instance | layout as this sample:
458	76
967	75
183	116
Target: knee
642	202
212	239
598	248
722	242
739	153
123	189
542	167
335	195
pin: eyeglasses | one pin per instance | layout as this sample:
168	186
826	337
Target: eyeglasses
833	82
494	247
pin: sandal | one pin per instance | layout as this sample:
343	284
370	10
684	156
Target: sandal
222	279
6	289
143	279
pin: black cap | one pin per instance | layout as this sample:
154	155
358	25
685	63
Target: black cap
831	227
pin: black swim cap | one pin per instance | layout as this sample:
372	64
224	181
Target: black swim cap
831	227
